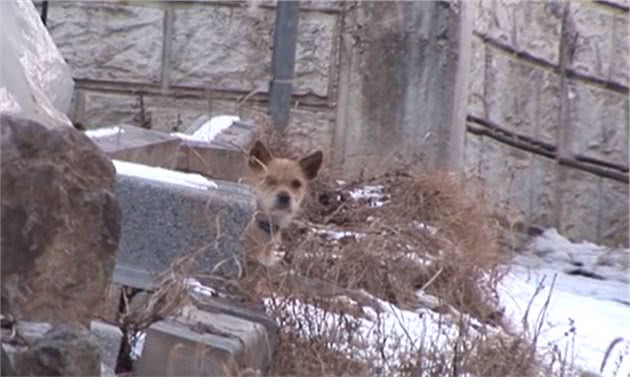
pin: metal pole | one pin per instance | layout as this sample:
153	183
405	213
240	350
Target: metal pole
44	14
283	62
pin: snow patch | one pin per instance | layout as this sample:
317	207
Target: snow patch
210	129
372	193
104	132
585	314
163	175
197	287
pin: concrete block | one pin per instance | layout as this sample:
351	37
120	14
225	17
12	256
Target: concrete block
109	41
543	179
620	70
227	307
197	343
594	42
496	19
136	144
167	218
614	214
205	38
579	213
106	110
505	170
108	338
599	119
538	28
225	157
511	87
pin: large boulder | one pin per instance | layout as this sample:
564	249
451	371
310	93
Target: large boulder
60	222
65	350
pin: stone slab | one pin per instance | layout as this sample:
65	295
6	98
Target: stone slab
224	158
108	338
162	221
136	144
200	343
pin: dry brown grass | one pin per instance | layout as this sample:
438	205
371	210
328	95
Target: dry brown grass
393	258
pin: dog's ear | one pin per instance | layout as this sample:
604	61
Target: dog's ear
310	164
259	156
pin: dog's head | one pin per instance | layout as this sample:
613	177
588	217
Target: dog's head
281	182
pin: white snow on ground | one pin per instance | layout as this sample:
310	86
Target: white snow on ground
210	129
402	331
373	194
163	175
598	310
104	132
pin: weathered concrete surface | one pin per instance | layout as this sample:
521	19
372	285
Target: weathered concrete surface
522	98
599	122
593	33
162	221
200	343
396	95
242	37
108	338
614	214
60	222
140	145
579	202
109	41
223	158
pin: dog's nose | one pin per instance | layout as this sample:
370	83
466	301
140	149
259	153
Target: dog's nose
284	198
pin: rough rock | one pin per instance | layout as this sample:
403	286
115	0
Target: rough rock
60	222
66	350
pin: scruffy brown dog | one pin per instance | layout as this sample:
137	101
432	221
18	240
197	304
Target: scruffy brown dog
280	188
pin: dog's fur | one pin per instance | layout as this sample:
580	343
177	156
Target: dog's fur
280	188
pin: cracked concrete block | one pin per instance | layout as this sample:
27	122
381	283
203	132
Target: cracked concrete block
109	41
198	343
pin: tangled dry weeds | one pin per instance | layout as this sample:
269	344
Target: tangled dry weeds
429	241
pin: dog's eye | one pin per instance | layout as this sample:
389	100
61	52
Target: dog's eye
296	184
271	181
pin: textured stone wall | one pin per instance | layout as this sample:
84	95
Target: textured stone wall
163	64
548	95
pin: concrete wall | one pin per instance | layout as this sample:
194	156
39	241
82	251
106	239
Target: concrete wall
162	64
549	88
378	83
